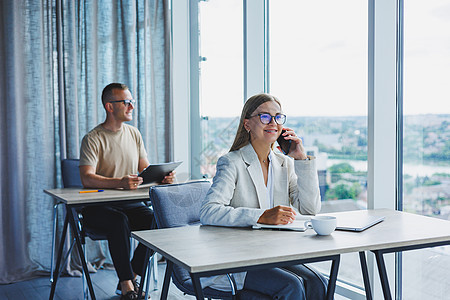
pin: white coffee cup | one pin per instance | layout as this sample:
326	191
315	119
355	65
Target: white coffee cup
322	225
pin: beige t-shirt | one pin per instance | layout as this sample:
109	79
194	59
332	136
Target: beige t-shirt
113	154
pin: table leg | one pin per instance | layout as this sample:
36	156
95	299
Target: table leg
365	274
76	233
333	277
197	286
144	272
58	260
55	218
165	287
383	274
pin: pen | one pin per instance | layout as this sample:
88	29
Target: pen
93	191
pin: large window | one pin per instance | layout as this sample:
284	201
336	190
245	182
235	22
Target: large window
221	78
333	66
426	139
318	69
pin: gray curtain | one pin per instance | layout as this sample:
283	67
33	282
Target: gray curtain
55	58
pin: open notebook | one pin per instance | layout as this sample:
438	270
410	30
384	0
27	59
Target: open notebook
297	225
349	221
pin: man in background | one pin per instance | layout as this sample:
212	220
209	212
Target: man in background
111	155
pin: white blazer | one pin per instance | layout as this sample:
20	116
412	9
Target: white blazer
238	195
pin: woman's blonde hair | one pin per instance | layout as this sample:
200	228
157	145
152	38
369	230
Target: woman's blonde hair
242	136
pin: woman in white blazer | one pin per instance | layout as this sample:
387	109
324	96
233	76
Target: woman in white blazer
253	184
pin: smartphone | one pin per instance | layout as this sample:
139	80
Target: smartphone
285	145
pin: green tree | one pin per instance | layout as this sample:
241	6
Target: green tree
344	191
341	168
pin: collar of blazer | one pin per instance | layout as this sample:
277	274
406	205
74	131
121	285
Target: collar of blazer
279	161
254	169
249	156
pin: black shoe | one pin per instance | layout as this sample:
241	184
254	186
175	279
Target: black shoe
135	285
136	288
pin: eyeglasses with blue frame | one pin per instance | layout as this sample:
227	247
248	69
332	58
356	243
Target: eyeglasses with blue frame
266	118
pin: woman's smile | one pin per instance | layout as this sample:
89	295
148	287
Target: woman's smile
271	130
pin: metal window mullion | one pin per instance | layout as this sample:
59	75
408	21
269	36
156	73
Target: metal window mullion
399	144
180	80
382	115
255	47
194	55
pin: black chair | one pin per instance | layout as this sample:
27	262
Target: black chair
178	205
71	179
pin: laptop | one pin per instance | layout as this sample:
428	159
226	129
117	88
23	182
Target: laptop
356	222
297	225
155	173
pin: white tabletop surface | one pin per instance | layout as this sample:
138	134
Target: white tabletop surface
210	248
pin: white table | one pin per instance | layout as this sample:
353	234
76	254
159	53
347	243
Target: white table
72	199
209	250
72	196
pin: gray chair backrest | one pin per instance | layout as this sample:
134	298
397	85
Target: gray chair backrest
178	205
71	173
71	179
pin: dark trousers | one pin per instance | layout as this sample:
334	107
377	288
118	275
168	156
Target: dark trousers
116	223
298	282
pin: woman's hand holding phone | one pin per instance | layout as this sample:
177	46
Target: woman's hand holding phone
291	144
284	145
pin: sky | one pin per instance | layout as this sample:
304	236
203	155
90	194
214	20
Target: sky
318	58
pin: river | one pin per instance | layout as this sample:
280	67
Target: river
408	168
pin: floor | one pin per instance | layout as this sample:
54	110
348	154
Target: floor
70	288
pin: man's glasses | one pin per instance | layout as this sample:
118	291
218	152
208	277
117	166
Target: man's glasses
265	118
125	102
